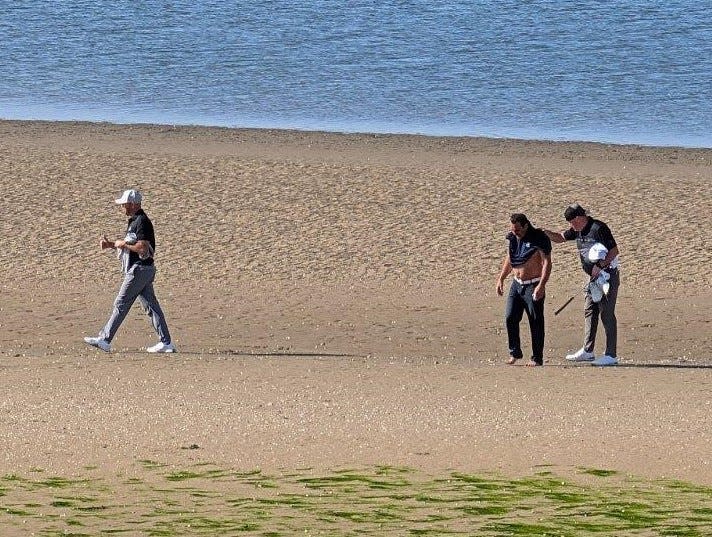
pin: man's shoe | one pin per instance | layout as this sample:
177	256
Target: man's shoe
162	347
99	343
581	355
605	360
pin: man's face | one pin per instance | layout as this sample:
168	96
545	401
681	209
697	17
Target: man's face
130	208
518	229
578	223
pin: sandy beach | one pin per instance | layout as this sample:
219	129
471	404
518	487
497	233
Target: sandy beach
333	300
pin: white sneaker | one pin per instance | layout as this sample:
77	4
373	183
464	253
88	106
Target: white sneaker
99	343
162	347
581	355
605	360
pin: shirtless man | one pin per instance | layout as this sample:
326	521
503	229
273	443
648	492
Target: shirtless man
529	258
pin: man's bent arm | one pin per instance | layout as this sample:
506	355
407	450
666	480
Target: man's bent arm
554	236
141	247
605	262
610	256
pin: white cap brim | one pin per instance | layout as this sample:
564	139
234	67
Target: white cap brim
129	196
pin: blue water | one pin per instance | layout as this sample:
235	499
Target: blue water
616	71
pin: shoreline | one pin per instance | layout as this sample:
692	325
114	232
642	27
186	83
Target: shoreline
415	139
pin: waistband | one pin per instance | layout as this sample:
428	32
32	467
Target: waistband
142	263
526	282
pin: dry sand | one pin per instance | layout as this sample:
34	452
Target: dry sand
332	297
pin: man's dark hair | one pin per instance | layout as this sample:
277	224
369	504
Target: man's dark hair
519	218
574	210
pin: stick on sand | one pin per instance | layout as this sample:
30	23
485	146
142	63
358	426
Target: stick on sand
565	304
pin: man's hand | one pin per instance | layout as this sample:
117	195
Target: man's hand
500	286
539	292
105	243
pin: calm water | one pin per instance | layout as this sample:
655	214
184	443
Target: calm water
619	71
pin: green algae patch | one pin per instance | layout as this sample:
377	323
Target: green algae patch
203	499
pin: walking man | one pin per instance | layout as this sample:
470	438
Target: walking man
599	258
529	258
136	252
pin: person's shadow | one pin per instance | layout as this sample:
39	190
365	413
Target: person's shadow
668	366
295	354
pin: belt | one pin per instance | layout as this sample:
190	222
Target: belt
526	282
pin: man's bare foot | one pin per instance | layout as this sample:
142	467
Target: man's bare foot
532	363
512	360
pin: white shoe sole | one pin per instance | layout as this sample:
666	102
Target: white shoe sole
607	364
591	359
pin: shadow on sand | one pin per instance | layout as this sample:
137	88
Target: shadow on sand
668	366
292	354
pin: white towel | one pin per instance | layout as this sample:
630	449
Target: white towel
123	253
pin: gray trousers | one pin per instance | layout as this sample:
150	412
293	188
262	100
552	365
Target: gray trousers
606	310
138	283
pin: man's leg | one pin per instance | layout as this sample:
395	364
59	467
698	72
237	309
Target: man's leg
607	307
153	308
130	288
535	314
513	316
590	315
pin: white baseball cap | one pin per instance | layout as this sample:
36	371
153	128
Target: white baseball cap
597	252
129	196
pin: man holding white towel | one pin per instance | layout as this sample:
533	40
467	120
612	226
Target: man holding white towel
598	251
136	252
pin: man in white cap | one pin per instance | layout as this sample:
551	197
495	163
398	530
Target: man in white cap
599	258
136	251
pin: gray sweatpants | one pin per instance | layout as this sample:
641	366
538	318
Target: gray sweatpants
138	283
606	310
